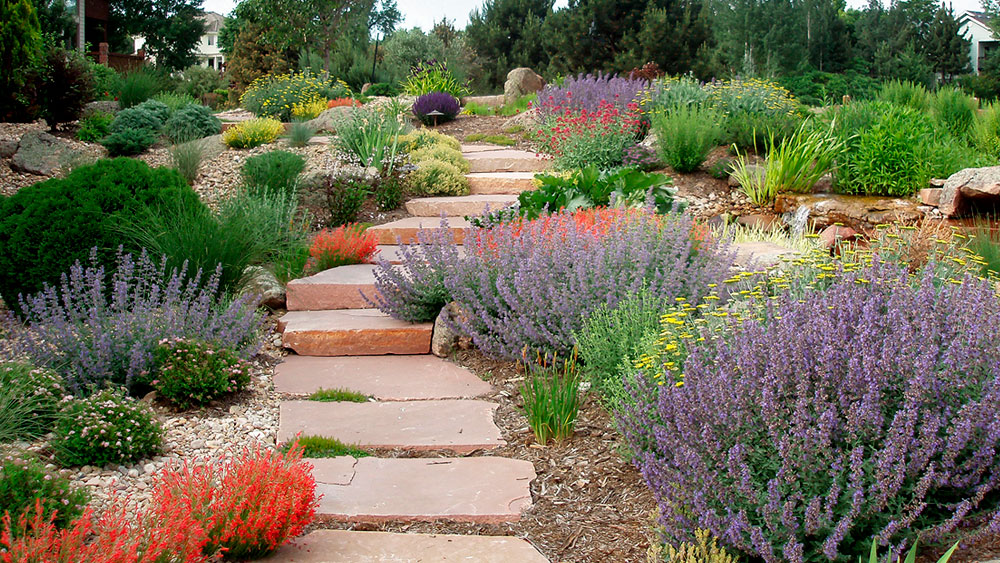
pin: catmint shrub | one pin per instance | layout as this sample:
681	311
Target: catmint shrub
190	373
802	432
105	428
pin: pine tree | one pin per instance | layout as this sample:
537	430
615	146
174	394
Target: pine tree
20	46
947	50
507	34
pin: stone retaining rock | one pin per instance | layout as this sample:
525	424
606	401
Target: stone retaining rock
965	188
521	81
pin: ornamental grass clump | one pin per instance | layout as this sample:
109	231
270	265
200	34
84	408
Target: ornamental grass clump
686	135
867	410
252	133
551	394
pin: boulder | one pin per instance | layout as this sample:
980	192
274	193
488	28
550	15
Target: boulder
7	148
861	213
525	120
445	338
965	188
930	196
835	234
521	81
106	106
327	121
267	287
760	221
42	154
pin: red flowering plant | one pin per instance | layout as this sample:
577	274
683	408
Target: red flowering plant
347	244
43	540
577	137
248	506
340	102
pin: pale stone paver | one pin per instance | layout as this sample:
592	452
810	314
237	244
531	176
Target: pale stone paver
455	425
386	378
760	253
458	206
493	183
466	149
352	332
390	252
468	489
506	160
406	228
343	546
336	288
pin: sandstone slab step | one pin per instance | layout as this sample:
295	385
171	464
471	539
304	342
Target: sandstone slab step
506	160
336	288
469	489
352	332
458	206
482	147
391	252
387	378
760	253
344	546
406	229
493	183
455	425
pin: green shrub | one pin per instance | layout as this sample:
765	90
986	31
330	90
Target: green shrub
984	86
197	80
105	428
669	92
274	95
686	135
436	177
422	138
382	89
174	100
95	126
300	133
389	193
273	172
551	397
64	85
136	118
954	111
25	483
193	121
105	80
819	88
187	157
372	137
906	94
433	77
136	86
191	373
252	133
128	142
291	264
157	108
46	227
29	401
751	131
340	197
986	130
443	153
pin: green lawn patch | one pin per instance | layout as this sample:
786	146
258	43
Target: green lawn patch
320	446
502	140
338	395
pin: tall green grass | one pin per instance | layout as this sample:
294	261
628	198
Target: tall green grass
906	94
187	158
954	111
551	394
686	134
136	87
793	165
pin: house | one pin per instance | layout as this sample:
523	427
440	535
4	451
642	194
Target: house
207	49
975	27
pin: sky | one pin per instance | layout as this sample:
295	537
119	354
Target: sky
423	13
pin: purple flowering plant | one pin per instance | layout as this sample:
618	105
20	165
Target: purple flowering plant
442	102
587	91
865	409
97	329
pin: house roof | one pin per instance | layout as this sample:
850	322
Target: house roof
213	21
982	18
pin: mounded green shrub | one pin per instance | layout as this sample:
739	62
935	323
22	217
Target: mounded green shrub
436	177
193	121
25	481
421	138
441	152
45	227
105	428
273	172
137	118
128	142
161	110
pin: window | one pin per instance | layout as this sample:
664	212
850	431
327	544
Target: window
211	40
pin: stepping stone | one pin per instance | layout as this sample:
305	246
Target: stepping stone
336	288
493	183
352	332
343	546
458	206
467	489
406	229
759	253
391	252
457	425
387	378
467	149
506	160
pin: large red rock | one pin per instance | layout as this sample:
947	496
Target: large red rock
469	489
344	546
965	188
352	332
406	229
453	425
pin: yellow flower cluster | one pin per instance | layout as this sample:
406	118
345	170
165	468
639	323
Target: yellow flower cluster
253	133
275	95
309	109
752	95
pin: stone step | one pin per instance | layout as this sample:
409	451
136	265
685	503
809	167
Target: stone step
352	332
387	378
494	183
506	160
470	489
391	253
336	288
406	229
458	206
344	546
760	254
455	425
481	147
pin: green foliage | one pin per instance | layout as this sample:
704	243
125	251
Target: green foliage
443	153
818	88
321	446
193	121
435	177
551	395
273	172
291	264
63	86
197	81
29	401
128	142
911	556
686	135
25	483
752	131
137	118
248	229
720	169
389	193
986	130
137	86
341	197
300	133
426	78
422	138
187	157
105	80
906	94
506	34
46	227
174	100
947	49
984	241
382	89
105	428
612	338
161	110
372	136
954	111
274	95
191	374
669	92
171	28
95	126
337	395
501	140
20	43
